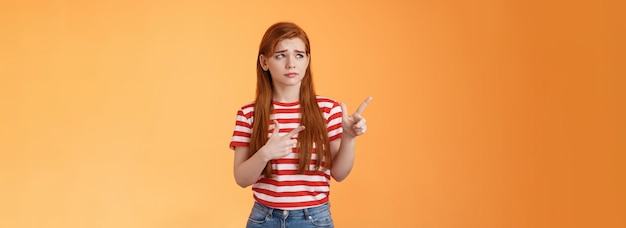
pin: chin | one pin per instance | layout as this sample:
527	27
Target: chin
291	84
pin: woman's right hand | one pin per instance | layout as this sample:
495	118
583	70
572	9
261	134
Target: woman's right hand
279	146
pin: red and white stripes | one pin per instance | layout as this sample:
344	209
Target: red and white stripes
288	189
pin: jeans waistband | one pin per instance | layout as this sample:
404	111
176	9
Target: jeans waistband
306	212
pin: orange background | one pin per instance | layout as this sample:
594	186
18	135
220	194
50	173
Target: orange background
485	113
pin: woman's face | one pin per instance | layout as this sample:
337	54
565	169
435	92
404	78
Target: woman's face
288	63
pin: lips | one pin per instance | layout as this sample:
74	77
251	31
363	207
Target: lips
291	75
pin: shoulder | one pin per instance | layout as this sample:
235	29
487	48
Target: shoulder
247	109
323	101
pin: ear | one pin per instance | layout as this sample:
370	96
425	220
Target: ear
263	62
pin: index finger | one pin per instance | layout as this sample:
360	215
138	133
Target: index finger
276	127
363	105
294	132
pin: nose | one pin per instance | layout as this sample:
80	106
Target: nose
291	62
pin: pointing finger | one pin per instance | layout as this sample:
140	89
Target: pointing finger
276	128
363	105
294	132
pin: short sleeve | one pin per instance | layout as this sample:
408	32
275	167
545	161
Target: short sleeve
243	128
333	125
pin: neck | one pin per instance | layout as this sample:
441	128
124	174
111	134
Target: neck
286	94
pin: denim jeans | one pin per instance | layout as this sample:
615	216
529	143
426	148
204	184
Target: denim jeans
263	216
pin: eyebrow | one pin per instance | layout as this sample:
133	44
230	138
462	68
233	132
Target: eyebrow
285	50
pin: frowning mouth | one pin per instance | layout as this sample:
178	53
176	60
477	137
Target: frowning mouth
291	75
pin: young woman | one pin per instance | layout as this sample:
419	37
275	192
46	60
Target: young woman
290	141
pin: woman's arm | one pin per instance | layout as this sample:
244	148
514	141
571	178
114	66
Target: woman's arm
343	150
343	158
248	169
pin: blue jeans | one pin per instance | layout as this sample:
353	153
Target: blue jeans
263	216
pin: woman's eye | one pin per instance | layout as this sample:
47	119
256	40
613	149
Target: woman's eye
300	56
280	56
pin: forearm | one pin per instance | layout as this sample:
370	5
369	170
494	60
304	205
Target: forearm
248	172
344	158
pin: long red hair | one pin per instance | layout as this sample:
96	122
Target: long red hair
315	132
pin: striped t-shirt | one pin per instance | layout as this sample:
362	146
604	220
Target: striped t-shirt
288	189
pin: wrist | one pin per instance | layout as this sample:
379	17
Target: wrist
345	138
262	154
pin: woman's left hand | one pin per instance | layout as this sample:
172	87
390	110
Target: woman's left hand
354	125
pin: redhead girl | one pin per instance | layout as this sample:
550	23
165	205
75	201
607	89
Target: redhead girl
290	141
